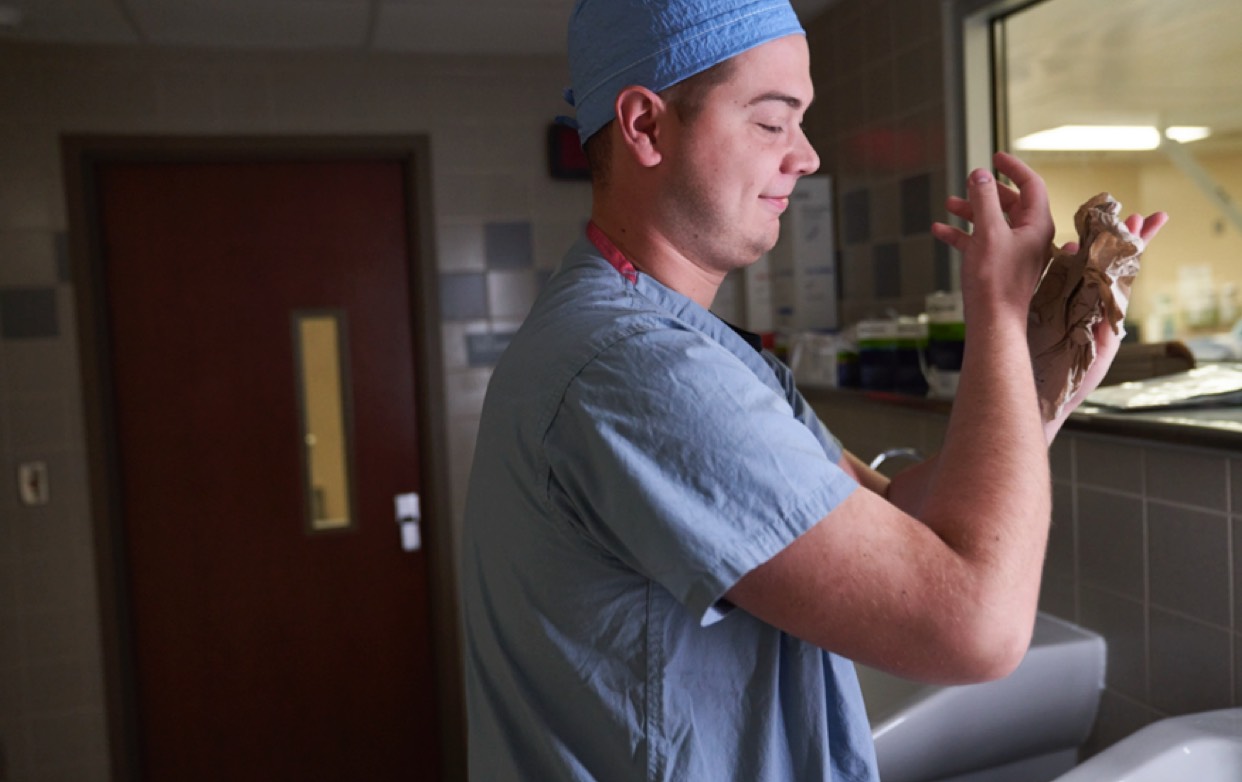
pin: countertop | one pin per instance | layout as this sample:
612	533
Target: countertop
1205	427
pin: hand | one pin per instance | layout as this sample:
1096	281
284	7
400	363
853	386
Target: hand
1005	254
1146	228
1106	342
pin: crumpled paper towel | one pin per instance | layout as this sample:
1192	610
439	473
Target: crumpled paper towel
1078	291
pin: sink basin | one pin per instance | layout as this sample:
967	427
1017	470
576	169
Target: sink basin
1026	726
1204	747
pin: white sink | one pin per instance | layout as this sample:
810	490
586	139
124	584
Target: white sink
1026	726
1204	747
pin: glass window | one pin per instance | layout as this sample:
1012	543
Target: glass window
1143	99
323	395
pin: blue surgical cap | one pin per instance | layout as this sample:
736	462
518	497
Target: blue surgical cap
655	44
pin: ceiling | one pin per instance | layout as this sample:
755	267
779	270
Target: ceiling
425	26
1069	61
1127	62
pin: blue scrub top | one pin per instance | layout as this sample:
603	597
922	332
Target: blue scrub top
636	457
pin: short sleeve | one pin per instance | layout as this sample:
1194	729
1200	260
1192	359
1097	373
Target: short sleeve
677	459
802	409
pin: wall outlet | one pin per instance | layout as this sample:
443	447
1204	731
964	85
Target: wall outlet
32	483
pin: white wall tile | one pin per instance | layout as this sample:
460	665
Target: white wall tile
51	686
490	195
320	92
470	146
558	199
552	238
30	167
33	367
453	338
511	293
187	97
27	258
464	391
105	92
462	433
459	245
244	97
36	424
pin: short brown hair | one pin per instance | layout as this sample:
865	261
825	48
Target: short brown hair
687	97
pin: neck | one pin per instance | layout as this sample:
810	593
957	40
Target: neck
655	254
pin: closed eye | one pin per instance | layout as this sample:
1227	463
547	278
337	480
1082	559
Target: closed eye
770	128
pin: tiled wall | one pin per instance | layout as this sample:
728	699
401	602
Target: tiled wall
1145	549
878	124
1145	546
500	224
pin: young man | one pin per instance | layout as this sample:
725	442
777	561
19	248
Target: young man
668	561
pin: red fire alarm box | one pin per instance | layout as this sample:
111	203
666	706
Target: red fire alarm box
566	160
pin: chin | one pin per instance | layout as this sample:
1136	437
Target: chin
753	253
765	245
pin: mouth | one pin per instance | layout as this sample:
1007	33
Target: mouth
779	203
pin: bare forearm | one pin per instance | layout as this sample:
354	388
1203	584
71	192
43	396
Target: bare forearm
988	494
989	405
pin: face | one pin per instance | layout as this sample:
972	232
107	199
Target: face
730	169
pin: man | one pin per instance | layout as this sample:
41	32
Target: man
668	561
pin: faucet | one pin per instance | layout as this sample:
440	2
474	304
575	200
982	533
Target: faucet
912	454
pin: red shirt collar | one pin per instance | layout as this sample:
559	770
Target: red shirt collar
611	253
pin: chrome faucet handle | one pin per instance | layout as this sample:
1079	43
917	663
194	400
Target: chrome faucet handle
912	454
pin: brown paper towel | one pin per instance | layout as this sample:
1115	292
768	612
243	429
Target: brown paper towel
1078	291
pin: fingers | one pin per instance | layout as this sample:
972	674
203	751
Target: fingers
1146	228
960	207
1032	194
987	200
1013	167
954	237
984	199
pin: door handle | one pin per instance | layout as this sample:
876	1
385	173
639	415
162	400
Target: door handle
408	516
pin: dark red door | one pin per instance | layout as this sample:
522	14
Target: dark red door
265	650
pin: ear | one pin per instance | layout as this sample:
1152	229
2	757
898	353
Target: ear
640	117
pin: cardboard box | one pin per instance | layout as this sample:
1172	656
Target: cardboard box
803	268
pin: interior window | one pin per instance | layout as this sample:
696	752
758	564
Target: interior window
1143	99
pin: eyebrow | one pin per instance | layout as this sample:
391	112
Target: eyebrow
779	97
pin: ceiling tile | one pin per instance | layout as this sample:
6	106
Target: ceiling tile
80	21
245	23
462	29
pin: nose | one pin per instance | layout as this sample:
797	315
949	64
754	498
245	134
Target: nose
802	158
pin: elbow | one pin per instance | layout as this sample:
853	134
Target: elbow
997	649
985	649
999	658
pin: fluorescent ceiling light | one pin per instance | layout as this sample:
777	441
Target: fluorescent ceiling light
1187	134
1105	138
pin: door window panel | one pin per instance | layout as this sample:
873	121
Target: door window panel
319	346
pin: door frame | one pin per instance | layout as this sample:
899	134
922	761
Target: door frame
82	156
